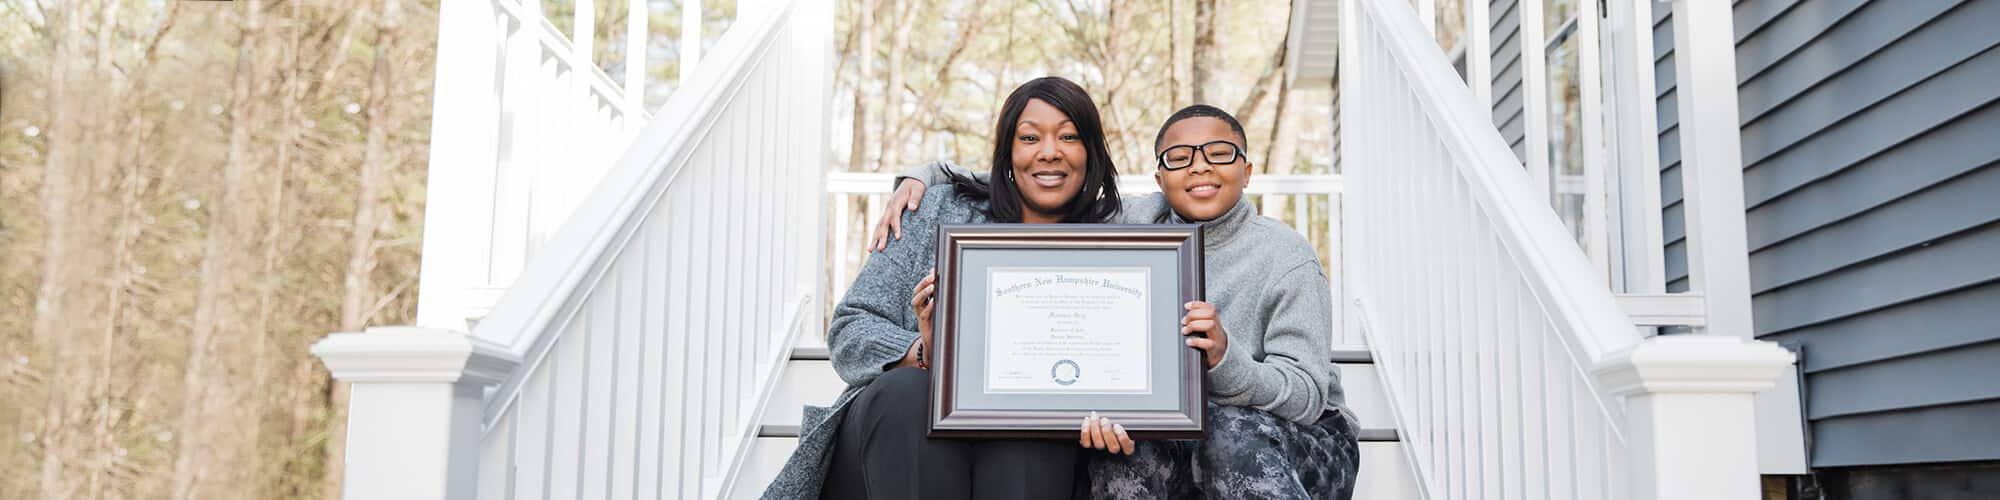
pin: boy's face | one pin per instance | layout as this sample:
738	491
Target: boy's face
1202	191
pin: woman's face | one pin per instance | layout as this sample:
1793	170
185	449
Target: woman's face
1048	162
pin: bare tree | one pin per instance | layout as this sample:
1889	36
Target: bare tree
1273	75
1176	83
941	81
892	112
1207	53
135	132
219	272
864	29
312	390
51	298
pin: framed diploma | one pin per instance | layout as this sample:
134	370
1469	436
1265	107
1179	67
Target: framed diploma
1038	325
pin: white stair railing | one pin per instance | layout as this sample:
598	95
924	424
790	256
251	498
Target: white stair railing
1510	369
525	125
635	352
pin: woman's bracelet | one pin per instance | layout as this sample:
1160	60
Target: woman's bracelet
921	364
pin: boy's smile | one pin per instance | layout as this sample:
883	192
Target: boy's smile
1202	191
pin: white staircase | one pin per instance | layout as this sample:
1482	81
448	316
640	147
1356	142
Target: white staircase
809	379
661	339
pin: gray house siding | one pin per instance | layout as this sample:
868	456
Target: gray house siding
1506	64
1871	151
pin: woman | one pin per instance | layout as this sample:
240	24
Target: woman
1050	165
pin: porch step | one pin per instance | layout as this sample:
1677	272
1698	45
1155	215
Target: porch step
809	379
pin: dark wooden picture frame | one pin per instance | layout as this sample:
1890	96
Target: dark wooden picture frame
947	420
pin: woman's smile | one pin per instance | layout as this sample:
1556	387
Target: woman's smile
1050	179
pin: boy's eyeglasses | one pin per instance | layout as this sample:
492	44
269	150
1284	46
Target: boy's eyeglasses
1217	153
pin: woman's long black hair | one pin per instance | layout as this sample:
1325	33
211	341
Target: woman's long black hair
1096	202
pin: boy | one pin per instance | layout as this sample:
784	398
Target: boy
1280	427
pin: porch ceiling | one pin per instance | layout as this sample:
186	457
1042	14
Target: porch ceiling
1314	43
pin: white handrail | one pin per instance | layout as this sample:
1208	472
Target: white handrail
1509	366
1448	239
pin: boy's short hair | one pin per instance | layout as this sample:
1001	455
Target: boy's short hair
1202	111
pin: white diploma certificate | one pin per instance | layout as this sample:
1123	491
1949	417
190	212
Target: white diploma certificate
1068	330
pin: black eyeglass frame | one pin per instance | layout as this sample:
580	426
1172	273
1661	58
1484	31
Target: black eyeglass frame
1235	149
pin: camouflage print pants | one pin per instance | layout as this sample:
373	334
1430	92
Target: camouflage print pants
1249	454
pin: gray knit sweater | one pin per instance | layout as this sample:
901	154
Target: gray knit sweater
1276	307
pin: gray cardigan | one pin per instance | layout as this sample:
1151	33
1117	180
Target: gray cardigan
872	327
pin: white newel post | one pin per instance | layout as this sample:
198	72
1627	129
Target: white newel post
416	407
1689	403
458	218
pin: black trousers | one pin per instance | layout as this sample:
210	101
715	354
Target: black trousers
880	452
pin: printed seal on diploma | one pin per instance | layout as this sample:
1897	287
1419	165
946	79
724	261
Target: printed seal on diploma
1038	325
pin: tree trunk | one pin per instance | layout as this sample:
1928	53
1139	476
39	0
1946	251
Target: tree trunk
1175	89
1284	121
131	179
1207	50
1000	89
864	27
52	296
311	385
219	271
1284	134
354	305
1275	70
267	290
892	111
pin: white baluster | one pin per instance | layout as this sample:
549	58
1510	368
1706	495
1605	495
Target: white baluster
1535	419
1535	97
679	427
1479	53
636	15
623	429
519	118
690	38
1427	12
653	406
583	39
534	416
